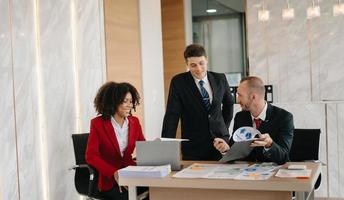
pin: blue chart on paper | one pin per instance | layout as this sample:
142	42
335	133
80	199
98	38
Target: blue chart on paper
245	133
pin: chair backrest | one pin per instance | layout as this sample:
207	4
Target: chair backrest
82	181
80	144
305	145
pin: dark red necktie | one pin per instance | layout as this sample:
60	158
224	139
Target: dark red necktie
258	122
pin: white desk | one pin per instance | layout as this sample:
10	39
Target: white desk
217	189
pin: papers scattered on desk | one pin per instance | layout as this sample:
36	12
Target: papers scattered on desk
228	171
145	171
261	171
216	171
294	173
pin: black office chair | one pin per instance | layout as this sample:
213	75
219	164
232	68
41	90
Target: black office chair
305	147
86	177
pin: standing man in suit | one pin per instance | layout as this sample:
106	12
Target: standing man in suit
275	124
202	101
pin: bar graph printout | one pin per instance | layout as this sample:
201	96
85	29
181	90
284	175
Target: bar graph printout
261	171
216	171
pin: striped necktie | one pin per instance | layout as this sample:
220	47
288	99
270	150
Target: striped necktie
205	96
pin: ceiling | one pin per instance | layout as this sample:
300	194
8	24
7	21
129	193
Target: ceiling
223	7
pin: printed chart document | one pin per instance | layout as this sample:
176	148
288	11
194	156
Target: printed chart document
145	171
211	171
242	137
262	171
226	171
294	173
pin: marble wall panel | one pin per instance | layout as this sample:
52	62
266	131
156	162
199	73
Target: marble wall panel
59	95
8	164
326	38
46	111
26	99
276	60
279	49
256	41
90	81
340	116
332	150
90	56
5	35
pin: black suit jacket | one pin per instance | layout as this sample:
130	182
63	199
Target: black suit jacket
279	125
197	124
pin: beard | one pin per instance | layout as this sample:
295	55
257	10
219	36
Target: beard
246	106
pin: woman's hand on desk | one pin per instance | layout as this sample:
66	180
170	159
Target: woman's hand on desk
221	145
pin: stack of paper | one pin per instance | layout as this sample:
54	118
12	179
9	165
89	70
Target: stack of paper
145	171
294	173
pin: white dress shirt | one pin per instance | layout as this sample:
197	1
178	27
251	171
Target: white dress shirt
121	133
206	86
261	116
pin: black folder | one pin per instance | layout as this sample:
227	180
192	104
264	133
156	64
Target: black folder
237	151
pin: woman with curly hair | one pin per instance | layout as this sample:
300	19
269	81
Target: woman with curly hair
113	135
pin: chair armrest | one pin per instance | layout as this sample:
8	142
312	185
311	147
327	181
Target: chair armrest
91	172
90	169
142	195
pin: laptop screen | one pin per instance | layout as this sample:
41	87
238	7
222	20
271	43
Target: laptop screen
153	153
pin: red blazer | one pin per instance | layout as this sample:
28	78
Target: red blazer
103	151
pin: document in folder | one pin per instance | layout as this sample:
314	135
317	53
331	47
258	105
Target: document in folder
237	151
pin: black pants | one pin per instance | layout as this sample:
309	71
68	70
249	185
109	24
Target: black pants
115	194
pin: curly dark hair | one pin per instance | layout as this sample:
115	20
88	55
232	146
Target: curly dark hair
194	50
111	95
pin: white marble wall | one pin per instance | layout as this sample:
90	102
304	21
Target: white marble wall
52	63
335	149
8	164
303	60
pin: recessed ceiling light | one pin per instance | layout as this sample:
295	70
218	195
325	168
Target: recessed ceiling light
211	10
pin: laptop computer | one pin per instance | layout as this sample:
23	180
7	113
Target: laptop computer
153	153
